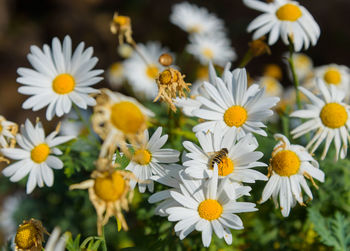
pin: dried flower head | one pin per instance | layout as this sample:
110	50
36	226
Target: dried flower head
30	235
109	192
121	25
8	131
170	85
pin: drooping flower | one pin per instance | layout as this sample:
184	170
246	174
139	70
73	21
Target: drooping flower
30	236
284	18
289	166
59	78
328	115
141	73
149	158
233	106
35	157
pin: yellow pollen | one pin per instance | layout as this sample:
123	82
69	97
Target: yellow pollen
208	53
203	72
142	156
209	209
63	84
165	78
39	153
333	115
194	29
110	188
235	116
332	76
289	12
122	20
127	117
152	71
26	236
285	163
225	167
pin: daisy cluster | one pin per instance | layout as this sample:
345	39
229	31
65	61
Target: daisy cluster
207	186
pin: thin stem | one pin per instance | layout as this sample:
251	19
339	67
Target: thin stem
248	56
138	51
292	67
104	244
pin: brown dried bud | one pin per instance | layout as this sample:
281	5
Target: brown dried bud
165	59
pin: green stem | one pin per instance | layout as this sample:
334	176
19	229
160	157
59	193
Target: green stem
294	75
248	56
104	244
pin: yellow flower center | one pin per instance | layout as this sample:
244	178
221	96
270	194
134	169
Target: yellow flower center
209	209
40	152
1	128
332	76
26	236
142	156
203	72
122	20
116	68
152	71
302	60
194	29
166	78
271	85
273	70
110	188
289	12
235	116
208	53
127	117
285	163
63	84
333	115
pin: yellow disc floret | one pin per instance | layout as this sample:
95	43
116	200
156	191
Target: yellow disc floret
289	12
1	128
109	188
235	116
142	156
285	163
333	115
225	167
208	53
332	76
40	153
210	209
26	236
167	77
63	84
127	117
152	71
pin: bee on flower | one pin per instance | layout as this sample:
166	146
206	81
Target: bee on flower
285	19
109	192
36	156
59	78
289	166
328	115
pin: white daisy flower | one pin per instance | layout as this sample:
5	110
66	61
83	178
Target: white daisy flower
333	74
303	66
329	115
148	159
289	165
115	75
215	48
35	157
284	18
8	130
235	160
169	177
142	76
194	19
233	106
272	86
205	207
59	78
56	242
